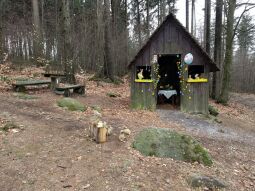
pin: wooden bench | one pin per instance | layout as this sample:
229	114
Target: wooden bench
19	86
79	89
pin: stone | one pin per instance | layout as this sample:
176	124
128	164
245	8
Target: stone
86	186
96	113
126	131
109	130
161	142
168	181
206	182
71	104
122	137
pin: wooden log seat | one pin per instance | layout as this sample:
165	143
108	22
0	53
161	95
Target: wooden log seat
66	90
19	86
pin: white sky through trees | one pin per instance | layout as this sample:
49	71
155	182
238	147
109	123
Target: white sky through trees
199	8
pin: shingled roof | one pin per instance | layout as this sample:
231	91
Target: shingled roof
212	64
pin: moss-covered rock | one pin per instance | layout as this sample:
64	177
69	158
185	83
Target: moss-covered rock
71	104
170	144
213	111
211	183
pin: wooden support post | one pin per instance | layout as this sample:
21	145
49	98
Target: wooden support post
80	90
67	93
54	82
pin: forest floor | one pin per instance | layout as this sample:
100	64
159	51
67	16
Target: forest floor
52	151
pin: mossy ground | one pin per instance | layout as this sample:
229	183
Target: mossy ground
168	144
71	104
8	126
97	108
24	96
213	111
112	94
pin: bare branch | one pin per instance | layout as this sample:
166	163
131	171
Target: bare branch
239	19
246	4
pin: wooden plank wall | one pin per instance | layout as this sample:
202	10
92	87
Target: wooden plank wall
195	99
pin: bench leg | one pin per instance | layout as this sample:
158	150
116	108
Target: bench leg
67	93
80	90
54	83
19	88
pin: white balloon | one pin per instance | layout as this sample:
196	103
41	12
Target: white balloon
188	59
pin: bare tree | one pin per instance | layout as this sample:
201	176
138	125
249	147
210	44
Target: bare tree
67	54
187	15
207	26
147	18
193	30
37	31
224	95
138	22
108	69
217	49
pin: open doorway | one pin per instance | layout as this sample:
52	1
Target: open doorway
169	82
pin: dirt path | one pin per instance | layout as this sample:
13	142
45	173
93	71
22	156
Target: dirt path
53	152
200	126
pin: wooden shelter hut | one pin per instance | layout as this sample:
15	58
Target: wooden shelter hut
161	69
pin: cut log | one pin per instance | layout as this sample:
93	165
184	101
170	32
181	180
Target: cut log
101	135
98	131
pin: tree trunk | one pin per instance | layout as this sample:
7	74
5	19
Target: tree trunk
192	17
217	49
138	22
187	15
147	19
108	69
37	38
207	26
126	34
224	96
162	10
67	55
1	40
171	6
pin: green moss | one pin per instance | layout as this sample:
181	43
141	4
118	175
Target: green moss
8	126
169	144
24	96
213	111
97	108
112	94
5	79
71	104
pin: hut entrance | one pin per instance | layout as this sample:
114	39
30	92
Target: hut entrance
169	82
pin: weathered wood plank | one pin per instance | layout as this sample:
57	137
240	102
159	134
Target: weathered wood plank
31	82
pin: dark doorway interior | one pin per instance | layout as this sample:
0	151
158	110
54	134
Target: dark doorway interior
169	82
